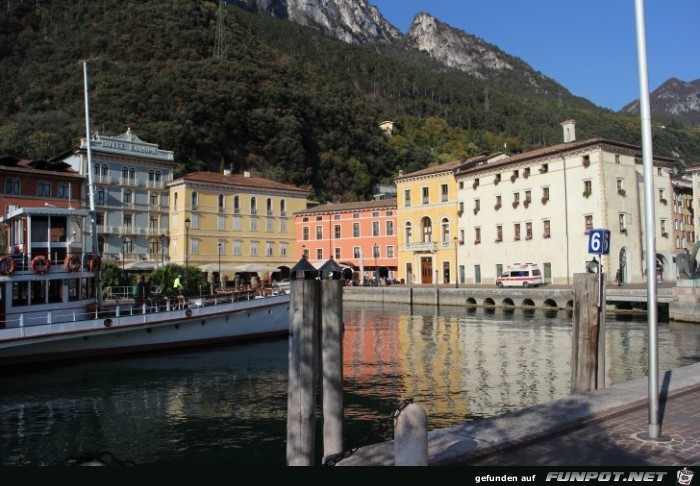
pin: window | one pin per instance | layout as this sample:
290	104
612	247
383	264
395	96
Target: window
477	205
336	232
63	190
270	225
319	232
477	236
236	204
283	207
305	233
221	222
662	227
499	233
662	196
356	252
516	199
337	254
547	228
283	249
588	222
390	228
355	215
545	195
253	248
221	202
127	198
375	228
127	220
516	231
445	230
622	223
253	205
426	195
617	159
408	233
319	218
444	194
375	214
586	160
528	197
356	230
268	249
100	196
237	248
498	203
427	227
194	200
587	188
319	253
43	188
407	198
253	224
236	223
12	185
268	206
390	251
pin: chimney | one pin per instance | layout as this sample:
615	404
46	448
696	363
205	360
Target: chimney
569	127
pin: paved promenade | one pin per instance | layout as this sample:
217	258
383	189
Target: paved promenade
598	428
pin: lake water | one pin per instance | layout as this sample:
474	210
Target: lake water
226	405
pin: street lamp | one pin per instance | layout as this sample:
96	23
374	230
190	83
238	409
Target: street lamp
123	253
162	250
456	277
376	269
187	248
219	245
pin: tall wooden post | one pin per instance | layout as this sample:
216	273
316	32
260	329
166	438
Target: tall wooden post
588	333
332	357
303	364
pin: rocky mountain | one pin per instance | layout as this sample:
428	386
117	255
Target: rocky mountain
352	21
673	100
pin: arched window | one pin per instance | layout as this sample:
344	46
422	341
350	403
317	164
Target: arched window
269	206
283	207
408	233
221	202
427	229
194	199
445	230
175	202
253	205
236	204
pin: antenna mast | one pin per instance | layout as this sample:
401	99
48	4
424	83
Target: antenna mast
220	45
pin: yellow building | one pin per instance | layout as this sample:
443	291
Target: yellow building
427	220
233	219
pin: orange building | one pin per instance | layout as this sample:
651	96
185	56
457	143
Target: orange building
361	235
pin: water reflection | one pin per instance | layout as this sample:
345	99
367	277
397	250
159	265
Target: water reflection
227	405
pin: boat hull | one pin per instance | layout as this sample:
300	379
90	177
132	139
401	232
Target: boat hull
141	332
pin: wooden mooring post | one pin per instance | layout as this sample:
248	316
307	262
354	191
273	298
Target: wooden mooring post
588	333
315	315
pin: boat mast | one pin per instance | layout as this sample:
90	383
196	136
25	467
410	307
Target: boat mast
91	186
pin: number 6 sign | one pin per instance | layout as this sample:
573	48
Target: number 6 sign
599	242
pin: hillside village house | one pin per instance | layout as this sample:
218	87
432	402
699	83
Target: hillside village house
131	198
360	235
539	207
233	218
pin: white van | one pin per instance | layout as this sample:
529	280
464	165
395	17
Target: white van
521	275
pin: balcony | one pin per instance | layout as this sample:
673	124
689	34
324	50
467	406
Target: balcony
155	184
128	181
421	246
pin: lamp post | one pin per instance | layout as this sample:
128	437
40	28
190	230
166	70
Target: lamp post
187	249
219	245
456	277
162	250
123	253
375	250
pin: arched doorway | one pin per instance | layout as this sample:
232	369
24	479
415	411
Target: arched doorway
622	266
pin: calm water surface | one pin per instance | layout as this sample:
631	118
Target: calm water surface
227	405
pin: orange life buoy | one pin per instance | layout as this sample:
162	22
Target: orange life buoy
94	262
7	265
71	263
41	264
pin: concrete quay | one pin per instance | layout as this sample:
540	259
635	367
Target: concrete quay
604	427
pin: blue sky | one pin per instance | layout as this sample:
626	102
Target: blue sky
589	46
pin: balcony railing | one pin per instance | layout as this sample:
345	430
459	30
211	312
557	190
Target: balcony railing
421	246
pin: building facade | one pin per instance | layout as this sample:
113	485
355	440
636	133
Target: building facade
233	219
428	225
130	179
361	235
540	206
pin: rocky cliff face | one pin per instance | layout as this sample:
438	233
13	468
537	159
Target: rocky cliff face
351	21
675	99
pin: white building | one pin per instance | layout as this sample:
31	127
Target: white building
539	207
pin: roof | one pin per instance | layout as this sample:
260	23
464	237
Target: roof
351	206
40	166
238	181
433	169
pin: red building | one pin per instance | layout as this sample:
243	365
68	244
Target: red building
360	235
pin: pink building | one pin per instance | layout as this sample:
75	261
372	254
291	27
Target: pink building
360	235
